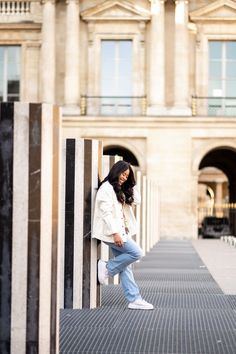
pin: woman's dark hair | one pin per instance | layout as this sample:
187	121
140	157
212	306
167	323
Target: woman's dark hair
124	192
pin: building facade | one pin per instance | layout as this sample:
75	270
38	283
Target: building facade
154	80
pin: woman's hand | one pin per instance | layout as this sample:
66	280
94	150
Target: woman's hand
118	240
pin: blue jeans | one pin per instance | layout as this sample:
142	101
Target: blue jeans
129	253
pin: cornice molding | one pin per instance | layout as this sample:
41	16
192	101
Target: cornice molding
116	10
220	10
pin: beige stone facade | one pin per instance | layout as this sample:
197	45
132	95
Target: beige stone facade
170	134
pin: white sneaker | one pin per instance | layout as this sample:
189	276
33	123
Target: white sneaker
102	271
140	304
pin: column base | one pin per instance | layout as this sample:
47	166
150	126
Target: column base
156	110
180	111
71	110
169	111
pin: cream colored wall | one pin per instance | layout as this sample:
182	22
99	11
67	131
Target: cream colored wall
169	150
28	37
168	162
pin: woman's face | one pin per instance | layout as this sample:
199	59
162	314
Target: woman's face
123	177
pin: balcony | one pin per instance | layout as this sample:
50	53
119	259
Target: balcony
20	11
214	106
113	105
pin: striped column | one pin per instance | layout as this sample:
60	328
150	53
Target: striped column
29	143
144	214
138	209
81	166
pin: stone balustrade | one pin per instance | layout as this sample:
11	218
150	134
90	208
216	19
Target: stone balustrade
15	7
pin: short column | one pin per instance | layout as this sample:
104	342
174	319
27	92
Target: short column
81	166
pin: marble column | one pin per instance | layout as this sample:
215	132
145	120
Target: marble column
48	62
29	138
72	77
182	98
156	104
80	168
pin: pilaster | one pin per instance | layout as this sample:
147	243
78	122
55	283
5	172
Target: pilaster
72	77
181	94
48	52
156	104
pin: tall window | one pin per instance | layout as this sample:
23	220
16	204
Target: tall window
9	73
116	76
222	77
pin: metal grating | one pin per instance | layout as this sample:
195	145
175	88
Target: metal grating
94	318
232	301
191	315
165	300
147	340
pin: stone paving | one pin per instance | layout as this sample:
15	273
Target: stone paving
192	315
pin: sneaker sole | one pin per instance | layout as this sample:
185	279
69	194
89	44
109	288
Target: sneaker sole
101	281
140	308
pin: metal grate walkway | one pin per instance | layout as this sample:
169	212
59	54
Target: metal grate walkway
191	315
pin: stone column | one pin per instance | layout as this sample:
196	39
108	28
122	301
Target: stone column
72	87
80	170
29	164
182	99
218	198
48	52
156	105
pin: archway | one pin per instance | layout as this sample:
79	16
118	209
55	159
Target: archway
121	151
224	159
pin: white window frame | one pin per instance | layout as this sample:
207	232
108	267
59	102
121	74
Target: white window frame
223	103
94	72
5	70
116	104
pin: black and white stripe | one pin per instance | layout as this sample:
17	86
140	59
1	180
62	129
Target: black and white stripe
29	141
6	213
81	164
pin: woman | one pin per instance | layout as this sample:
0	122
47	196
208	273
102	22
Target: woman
114	223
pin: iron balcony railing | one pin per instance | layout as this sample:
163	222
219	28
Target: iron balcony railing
213	106
113	105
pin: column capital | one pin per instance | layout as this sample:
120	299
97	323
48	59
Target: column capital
43	2
72	1
181	1
157	7
155	2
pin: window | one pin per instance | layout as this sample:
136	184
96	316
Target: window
9	73
116	77
222	78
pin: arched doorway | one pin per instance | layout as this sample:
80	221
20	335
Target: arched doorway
221	162
121	151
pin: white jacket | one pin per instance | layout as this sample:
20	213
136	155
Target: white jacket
108	214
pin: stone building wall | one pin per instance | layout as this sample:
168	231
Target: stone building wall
170	65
